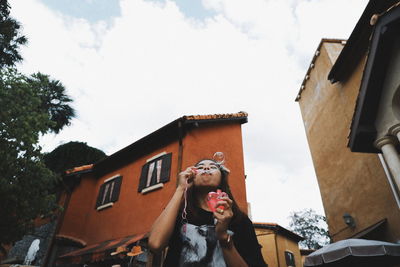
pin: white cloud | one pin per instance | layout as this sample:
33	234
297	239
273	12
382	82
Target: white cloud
326	18
274	192
152	65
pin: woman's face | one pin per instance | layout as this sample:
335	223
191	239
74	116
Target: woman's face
208	174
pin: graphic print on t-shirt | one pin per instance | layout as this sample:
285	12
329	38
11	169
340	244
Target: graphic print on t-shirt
200	246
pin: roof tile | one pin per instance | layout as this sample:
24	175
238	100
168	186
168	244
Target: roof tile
240	114
78	169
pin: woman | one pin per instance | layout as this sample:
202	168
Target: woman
196	236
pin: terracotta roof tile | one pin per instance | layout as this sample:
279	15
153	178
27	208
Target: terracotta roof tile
79	169
240	114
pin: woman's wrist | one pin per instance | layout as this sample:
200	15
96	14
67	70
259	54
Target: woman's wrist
180	189
222	236
225	240
180	192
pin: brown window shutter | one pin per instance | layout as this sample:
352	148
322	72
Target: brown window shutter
117	187
143	177
166	167
164	175
100	195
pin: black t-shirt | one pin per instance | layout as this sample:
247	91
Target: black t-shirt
244	239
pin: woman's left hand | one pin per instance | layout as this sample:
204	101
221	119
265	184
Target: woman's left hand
223	216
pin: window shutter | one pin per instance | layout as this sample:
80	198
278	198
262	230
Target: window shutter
100	196
166	168
143	177
117	187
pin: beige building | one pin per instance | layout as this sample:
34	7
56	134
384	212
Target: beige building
279	245
350	104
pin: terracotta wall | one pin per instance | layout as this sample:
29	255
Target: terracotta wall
79	207
353	183
134	212
205	141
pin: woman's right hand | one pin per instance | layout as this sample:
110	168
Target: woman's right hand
186	177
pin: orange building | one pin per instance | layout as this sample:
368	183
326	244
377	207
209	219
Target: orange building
279	246
114	202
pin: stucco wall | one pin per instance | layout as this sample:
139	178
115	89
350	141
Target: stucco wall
353	183
205	141
274	246
79	206
266	238
134	212
285	244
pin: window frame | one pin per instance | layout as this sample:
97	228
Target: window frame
155	172
288	260
113	192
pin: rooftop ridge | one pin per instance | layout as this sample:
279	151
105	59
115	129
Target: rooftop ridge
240	114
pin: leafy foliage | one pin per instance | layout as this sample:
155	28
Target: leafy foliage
312	226
24	179
53	100
71	155
30	106
10	37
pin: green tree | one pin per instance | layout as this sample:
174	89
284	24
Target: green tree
10	37
25	181
53	100
72	154
312	226
30	106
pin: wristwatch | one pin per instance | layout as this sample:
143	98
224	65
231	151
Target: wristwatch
228	242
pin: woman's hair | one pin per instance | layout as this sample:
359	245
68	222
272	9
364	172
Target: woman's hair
192	205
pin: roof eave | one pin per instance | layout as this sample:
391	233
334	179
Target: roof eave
279	229
363	132
358	42
158	138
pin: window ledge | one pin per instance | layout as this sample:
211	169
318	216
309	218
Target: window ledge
152	188
156	156
112	178
110	204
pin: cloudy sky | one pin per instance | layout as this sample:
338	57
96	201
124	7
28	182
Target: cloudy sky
132	66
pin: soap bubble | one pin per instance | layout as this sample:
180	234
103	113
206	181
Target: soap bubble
219	157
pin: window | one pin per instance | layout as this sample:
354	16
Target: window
289	259
109	192
155	173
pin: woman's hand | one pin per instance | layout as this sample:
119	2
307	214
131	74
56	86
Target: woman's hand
185	178
224	216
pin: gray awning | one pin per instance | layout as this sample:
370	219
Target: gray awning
353	250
